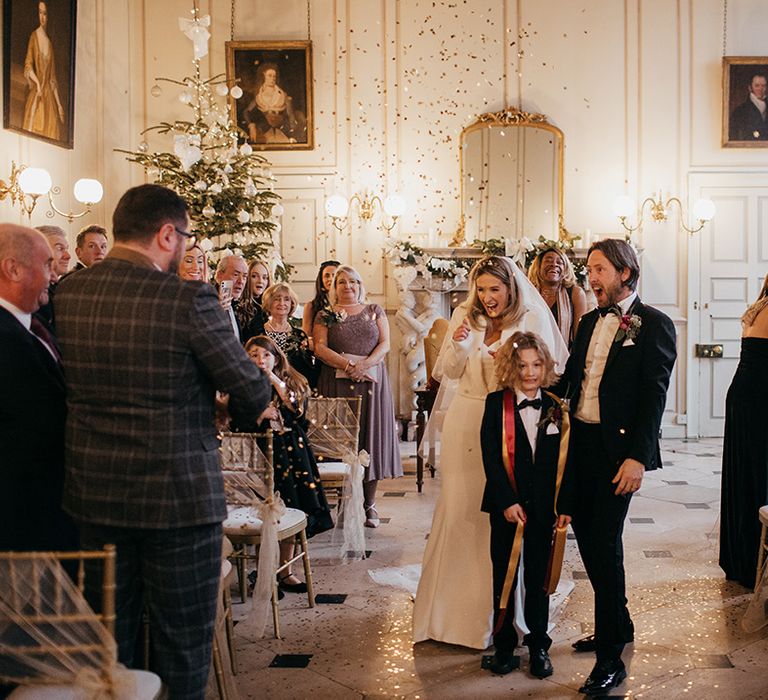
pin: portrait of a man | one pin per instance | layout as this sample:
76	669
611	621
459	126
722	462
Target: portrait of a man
745	89
39	69
275	110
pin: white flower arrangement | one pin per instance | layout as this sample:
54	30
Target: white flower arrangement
404	254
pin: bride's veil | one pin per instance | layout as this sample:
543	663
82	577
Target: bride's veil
537	318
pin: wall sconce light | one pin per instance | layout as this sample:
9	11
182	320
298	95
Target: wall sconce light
26	185
337	207
703	210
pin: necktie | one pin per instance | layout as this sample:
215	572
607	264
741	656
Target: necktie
612	309
533	403
39	329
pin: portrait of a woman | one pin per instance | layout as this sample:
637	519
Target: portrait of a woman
43	113
271	116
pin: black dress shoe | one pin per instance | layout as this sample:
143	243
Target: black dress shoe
604	676
585	644
502	664
299	587
540	664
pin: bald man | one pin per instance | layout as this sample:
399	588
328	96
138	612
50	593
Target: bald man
32	401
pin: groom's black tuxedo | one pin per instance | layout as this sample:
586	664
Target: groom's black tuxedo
631	395
633	389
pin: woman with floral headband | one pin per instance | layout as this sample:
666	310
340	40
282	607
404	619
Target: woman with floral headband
454	601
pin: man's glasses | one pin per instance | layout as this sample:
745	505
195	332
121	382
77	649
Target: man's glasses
191	241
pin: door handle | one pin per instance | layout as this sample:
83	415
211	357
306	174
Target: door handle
710	351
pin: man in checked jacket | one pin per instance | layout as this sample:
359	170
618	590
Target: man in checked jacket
144	352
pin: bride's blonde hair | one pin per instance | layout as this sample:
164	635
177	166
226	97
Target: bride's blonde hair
501	268
760	303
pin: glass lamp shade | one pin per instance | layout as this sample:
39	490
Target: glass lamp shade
394	205
35	181
623	206
704	210
88	191
337	206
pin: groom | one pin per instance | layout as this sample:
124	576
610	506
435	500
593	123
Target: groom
616	378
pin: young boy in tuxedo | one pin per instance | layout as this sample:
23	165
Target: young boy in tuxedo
520	437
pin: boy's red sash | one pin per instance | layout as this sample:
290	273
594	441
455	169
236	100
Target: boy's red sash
508	457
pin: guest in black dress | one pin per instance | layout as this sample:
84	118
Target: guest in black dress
322	285
279	302
745	449
296	475
249	312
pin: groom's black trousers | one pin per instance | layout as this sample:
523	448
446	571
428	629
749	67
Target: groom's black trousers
598	521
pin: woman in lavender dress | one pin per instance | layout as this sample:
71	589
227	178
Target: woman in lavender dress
352	341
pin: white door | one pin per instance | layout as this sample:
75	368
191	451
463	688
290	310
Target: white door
733	260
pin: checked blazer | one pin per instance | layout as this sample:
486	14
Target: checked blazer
144	352
633	388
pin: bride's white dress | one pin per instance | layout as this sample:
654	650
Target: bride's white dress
454	600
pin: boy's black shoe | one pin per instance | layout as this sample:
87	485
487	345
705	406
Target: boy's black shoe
503	663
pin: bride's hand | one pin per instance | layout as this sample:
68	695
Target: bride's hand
462	332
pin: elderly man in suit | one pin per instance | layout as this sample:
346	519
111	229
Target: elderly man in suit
232	268
144	352
616	379
32	401
749	121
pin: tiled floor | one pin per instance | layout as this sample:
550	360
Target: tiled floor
689	642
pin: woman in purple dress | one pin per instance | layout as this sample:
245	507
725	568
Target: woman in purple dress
352	341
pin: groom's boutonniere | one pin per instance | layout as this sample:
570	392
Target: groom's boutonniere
629	327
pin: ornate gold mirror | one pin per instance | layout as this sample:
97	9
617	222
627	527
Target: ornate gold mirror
511	177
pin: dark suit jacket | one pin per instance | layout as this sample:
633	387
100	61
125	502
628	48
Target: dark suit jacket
633	389
535	475
747	124
144	352
32	415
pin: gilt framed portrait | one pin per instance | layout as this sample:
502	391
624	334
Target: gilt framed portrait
275	110
39	69
745	89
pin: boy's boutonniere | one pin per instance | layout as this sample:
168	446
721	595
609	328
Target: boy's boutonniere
554	414
329	317
629	327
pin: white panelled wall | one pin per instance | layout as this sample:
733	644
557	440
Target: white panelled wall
635	85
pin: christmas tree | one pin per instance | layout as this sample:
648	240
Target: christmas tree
229	189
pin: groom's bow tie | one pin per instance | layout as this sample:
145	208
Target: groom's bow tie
612	309
533	403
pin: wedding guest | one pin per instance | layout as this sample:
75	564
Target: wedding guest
352	340
250	313
232	268
57	239
90	246
296	475
320	301
279	302
616	380
32	401
551	272
745	451
144	353
194	265
523	490
450	606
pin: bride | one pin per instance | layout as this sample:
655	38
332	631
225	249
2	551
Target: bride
454	600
